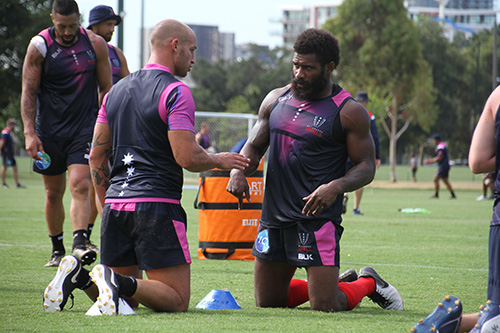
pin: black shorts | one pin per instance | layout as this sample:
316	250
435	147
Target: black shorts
494	264
65	153
443	173
151	235
303	244
8	160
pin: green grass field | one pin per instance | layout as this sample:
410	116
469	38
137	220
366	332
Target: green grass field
425	256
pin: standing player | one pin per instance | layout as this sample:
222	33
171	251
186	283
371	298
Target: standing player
362	98
203	137
310	126
7	149
146	124
484	156
443	162
65	69
102	21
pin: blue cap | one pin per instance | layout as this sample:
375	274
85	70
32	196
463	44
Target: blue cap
437	137
102	13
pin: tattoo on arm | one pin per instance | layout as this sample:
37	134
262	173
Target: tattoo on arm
101	176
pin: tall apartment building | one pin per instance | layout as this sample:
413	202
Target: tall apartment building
467	15
296	19
213	45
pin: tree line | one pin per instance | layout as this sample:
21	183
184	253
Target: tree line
419	82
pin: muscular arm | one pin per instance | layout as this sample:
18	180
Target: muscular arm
361	150
254	148
191	156
99	160
482	148
103	67
123	63
32	73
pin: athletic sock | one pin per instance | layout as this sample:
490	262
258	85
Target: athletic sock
83	279
355	291
89	230
79	238
57	243
128	285
298	293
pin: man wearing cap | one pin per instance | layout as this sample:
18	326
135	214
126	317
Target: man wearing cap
102	21
443	162
66	73
7	149
362	98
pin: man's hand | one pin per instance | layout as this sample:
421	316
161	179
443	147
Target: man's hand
238	186
33	146
232	161
320	199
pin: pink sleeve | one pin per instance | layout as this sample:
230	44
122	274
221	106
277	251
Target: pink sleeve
180	114
101	117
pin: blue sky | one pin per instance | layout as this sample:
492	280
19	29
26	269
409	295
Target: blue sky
251	21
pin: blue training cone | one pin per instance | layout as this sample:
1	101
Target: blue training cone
218	300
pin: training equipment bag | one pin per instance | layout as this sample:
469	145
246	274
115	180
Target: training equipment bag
224	231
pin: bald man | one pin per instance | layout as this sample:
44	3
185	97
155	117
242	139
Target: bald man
147	121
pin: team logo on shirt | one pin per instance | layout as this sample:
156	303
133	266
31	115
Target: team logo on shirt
318	121
314	129
92	57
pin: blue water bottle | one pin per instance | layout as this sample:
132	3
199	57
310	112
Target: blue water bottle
44	163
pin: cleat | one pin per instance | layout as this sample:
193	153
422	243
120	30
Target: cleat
348	276
445	318
91	246
55	259
107	284
357	212
85	256
385	294
489	319
60	288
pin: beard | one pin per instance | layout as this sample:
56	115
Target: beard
308	90
70	41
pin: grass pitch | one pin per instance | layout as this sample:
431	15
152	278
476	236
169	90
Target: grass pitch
425	256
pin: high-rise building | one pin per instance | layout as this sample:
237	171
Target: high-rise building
295	19
467	15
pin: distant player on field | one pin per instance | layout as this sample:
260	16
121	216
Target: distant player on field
443	162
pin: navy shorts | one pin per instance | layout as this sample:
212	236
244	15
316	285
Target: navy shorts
443	172
8	160
151	235
494	264
301	245
64	153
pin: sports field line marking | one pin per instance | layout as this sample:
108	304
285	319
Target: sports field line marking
23	245
415	266
342	262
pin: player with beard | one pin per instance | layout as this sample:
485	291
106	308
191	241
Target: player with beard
310	126
66	73
102	21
